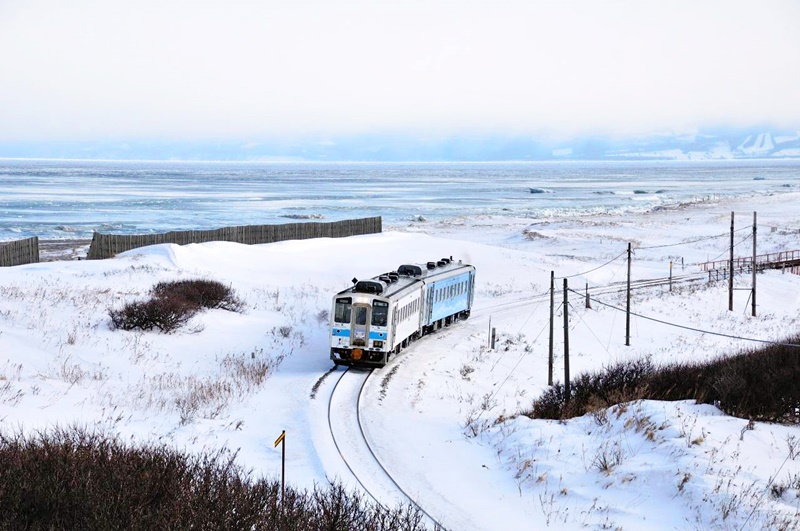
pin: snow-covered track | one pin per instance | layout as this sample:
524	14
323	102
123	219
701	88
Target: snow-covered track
348	434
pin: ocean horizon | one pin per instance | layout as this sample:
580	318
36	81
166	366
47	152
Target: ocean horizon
68	199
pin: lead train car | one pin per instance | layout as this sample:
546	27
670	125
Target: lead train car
376	318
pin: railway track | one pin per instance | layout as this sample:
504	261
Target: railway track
347	431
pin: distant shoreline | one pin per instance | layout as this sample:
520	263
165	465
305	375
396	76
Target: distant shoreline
67	249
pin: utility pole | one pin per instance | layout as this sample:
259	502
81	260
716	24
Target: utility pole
566	342
552	304
628	303
730	272
755	228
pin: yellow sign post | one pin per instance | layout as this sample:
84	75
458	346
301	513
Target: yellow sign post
279	440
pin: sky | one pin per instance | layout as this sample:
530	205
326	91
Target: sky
211	69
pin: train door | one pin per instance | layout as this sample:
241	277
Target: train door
359	329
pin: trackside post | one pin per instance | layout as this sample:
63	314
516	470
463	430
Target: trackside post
282	441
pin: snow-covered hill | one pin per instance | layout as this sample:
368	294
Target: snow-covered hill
442	415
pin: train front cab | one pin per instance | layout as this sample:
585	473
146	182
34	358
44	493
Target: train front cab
359	331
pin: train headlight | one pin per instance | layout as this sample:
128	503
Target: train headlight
377	344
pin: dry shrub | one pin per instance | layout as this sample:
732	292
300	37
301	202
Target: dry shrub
758	384
173	305
76	479
203	293
164	314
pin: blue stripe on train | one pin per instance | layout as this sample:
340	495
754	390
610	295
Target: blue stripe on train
344	332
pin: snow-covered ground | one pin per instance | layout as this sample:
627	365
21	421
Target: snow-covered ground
442	416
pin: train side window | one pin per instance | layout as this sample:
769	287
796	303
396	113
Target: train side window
380	313
343	309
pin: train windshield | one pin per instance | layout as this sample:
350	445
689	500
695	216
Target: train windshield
361	315
380	313
343	310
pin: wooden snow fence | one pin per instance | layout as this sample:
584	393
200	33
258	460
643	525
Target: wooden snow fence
108	245
19	252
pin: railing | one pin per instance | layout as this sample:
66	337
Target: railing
746	262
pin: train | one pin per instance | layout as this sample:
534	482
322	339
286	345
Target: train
378	317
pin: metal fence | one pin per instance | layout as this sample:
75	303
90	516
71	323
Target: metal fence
19	252
108	245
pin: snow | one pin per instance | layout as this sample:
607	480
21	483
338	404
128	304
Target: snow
762	143
442	416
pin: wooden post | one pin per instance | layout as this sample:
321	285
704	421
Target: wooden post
566	342
628	303
730	268
552	304
670	275
588	302
755	229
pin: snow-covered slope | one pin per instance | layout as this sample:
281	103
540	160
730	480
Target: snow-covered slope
442	414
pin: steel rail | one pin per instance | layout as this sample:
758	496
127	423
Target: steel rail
370	449
380	464
336	444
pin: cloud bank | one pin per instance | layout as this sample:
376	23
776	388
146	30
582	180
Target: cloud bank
212	69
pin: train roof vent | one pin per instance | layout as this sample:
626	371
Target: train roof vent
385	278
446	260
431	265
409	270
394	275
441	263
369	286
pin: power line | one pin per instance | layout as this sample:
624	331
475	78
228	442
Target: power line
592	270
777	343
682	243
696	240
735	245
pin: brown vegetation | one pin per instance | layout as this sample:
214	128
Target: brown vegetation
75	479
760	384
173	304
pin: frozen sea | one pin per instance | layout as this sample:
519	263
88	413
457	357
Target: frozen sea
71	199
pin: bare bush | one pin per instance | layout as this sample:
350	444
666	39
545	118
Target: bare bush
758	385
204	293
174	304
76	479
164	314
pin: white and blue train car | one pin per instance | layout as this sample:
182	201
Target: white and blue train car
376	318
